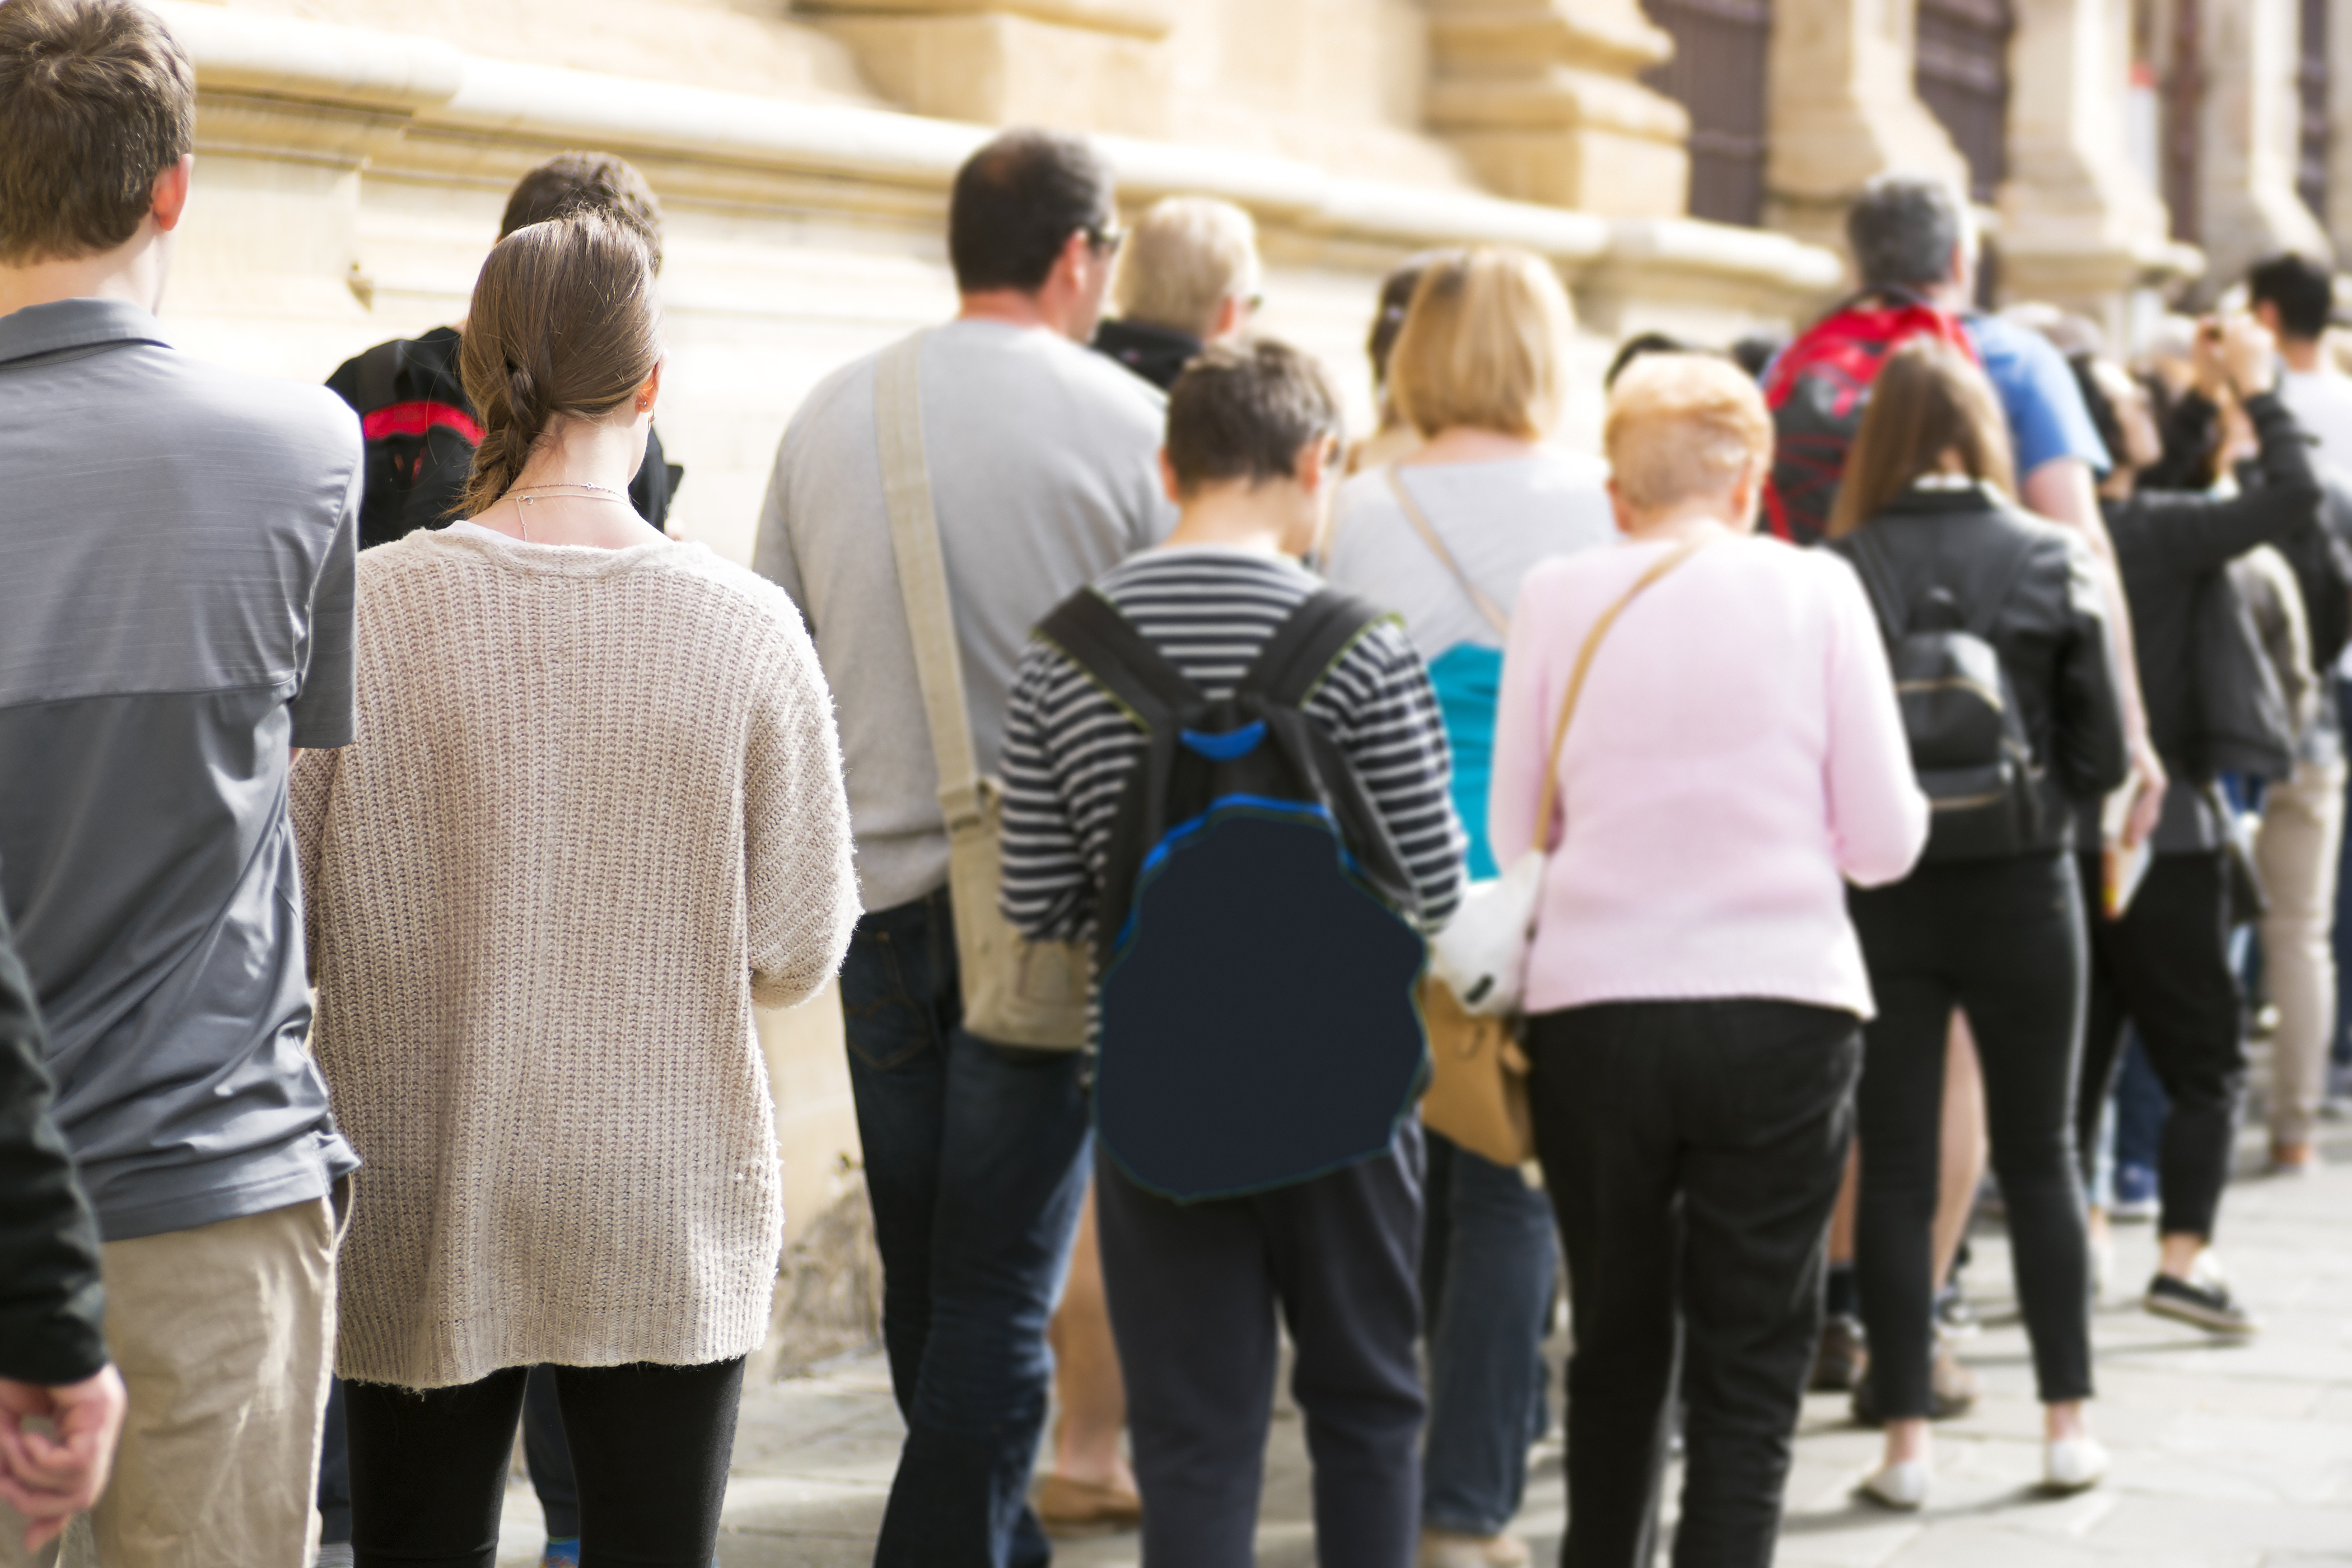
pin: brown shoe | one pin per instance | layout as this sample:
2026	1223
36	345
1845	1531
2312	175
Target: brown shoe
1837	1358
1072	1510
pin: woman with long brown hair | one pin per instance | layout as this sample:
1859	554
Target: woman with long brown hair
2009	691
594	815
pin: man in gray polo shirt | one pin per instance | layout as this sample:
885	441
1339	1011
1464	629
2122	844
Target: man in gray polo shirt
175	618
1043	470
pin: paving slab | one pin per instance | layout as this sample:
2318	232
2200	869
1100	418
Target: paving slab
2225	1456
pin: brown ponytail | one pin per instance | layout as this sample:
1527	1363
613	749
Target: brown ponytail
564	325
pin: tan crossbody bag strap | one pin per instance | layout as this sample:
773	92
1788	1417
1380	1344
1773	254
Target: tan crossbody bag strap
1429	536
1658	569
923	578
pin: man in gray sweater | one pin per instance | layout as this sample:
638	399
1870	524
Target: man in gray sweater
1042	459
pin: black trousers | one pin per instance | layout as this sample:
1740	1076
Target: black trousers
650	1444
1693	1150
1193	1292
2002	941
2165	967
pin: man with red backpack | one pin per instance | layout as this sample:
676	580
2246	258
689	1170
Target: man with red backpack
1915	253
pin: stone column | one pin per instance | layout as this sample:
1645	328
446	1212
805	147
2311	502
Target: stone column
2339	121
2080	227
1840	109
1540	98
1078	65
2246	193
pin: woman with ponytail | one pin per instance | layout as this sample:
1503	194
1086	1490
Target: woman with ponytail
593	817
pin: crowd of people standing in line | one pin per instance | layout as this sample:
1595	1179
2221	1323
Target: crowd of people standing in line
398	828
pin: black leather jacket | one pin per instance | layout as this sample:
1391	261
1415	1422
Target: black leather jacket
2048	629
51	1304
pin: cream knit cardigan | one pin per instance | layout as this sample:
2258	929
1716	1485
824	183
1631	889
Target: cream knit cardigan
593	813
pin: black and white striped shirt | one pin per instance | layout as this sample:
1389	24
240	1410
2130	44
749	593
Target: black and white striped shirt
1068	749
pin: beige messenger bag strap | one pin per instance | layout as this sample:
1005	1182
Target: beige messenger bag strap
1583	667
1429	536
1015	991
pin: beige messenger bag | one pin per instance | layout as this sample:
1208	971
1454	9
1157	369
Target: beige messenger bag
1015	991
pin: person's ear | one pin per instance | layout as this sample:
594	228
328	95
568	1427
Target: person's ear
649	393
1232	311
2266	313
171	196
1748	496
1626	520
1168	479
1315	464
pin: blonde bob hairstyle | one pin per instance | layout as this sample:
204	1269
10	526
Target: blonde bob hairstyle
1485	344
1928	401
1681	427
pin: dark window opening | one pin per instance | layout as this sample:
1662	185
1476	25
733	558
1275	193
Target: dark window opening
2311	89
1962	75
1718	75
2183	105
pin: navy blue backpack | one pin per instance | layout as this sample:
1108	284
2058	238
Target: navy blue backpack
1257	945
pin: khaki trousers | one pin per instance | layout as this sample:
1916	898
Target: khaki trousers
225	1335
2302	831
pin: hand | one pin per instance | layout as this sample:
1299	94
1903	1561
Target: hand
50	1478
2249	356
2147	805
2208	371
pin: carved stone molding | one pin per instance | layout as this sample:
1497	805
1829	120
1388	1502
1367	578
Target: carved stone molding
1094	65
1540	96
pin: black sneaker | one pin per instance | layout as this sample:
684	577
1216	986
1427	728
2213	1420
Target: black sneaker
2206	1303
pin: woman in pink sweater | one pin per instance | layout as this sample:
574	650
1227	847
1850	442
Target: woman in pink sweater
1696	991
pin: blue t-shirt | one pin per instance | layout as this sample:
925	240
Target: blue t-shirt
2046	416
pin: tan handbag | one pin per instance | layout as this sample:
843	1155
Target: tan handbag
1015	991
1478	1095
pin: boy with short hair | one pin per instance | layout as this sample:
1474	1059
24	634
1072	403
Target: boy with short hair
1251	460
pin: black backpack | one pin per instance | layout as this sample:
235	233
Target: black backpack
1257	946
1968	746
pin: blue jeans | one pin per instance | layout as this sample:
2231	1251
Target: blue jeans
975	1161
1493	1259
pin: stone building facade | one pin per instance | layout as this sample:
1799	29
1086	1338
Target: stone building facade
1682	162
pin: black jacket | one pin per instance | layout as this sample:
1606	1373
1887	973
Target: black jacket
420	430
2048	629
50	1301
2201	668
1158	354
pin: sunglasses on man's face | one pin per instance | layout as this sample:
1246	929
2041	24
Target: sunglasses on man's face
1106	237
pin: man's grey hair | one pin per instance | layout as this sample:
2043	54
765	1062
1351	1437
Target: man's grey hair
1903	230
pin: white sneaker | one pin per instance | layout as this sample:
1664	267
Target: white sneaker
1902	1485
2073	1464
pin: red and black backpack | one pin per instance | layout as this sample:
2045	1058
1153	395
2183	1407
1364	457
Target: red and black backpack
1817	390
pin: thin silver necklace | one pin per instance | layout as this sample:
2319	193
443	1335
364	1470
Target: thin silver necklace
528	495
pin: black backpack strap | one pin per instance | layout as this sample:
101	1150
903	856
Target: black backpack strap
1109	650
1303	650
1878	581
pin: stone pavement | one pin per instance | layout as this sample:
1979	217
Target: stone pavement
2226	1457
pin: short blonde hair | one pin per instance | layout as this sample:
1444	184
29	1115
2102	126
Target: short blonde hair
1485	344
1682	425
1184	259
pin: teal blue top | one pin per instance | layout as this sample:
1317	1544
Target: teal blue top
1469	682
